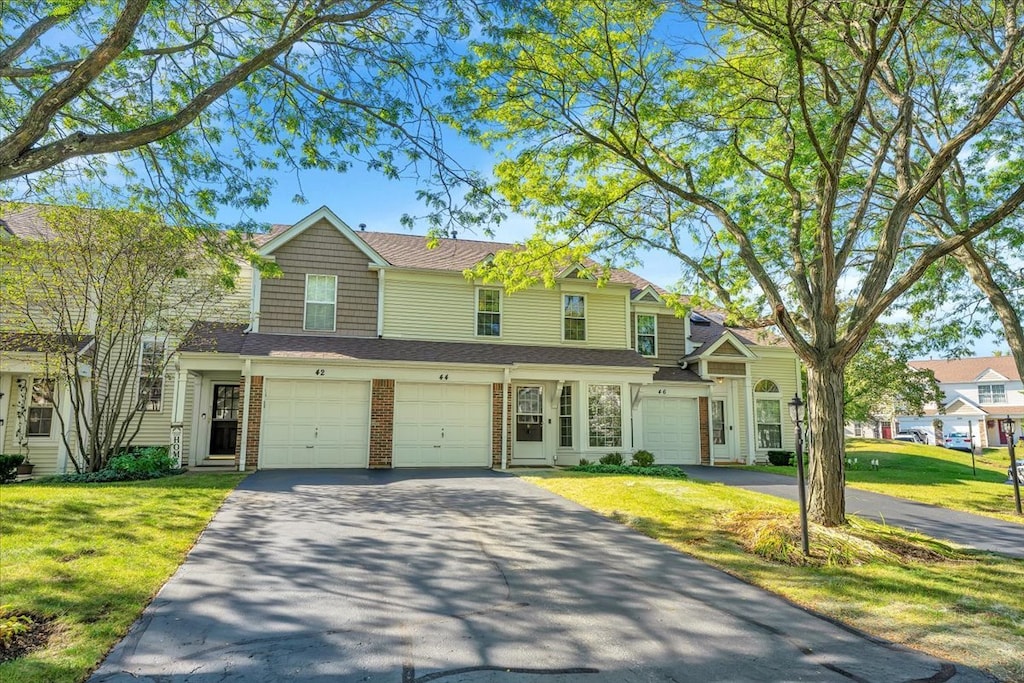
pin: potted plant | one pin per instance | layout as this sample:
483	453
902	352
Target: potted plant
25	466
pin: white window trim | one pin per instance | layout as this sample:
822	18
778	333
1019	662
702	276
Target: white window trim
769	396
586	331
623	406
306	301
50	404
991	400
636	337
477	312
138	372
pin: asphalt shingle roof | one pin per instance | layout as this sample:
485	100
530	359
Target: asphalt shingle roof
968	369
19	342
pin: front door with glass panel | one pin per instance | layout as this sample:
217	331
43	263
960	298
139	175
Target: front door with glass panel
528	428
224	419
721	433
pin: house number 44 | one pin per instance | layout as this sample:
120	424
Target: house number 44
320	372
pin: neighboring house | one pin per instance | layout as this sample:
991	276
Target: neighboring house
373	350
978	392
31	392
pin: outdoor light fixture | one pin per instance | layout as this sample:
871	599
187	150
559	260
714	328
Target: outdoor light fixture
1007	426
798	413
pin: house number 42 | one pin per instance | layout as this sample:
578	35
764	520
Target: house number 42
320	372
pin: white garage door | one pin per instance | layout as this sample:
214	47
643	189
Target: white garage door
315	424
442	425
671	430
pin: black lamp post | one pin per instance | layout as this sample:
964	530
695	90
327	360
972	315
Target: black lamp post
798	413
1007	425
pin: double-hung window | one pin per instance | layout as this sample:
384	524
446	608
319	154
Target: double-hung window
647	334
488	312
604	412
151	375
565	418
768	414
321	302
40	410
991	393
574	316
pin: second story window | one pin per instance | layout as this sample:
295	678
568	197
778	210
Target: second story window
151	375
40	410
574	327
321	302
488	312
991	393
647	334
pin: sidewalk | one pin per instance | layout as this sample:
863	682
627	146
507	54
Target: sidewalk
963	528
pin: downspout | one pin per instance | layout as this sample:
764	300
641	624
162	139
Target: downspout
247	374
504	418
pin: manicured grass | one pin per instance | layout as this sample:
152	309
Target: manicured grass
964	606
929	474
92	556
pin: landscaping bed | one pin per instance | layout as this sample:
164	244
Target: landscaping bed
907	588
83	560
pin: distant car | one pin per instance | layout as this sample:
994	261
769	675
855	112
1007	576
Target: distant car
909	437
959	441
1020	472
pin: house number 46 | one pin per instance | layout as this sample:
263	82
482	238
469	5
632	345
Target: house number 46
320	372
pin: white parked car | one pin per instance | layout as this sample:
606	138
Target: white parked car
958	441
909	437
1020	472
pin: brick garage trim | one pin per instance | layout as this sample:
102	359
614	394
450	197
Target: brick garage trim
382	423
705	430
252	442
496	407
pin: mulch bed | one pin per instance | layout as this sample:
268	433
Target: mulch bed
34	638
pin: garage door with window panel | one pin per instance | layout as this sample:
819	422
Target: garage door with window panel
442	425
671	430
315	424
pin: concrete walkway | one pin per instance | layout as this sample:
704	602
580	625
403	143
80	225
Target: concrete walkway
963	528
411	576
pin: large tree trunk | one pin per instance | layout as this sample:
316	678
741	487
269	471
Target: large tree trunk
827	501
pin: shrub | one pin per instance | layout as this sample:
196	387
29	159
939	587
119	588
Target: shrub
657	471
9	467
149	461
643	459
12	626
611	459
780	458
584	462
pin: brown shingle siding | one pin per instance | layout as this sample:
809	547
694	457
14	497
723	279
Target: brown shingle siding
320	249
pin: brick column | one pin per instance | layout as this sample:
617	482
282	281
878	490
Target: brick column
705	430
382	423
496	407
252	442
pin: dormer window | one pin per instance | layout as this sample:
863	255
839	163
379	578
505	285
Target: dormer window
647	334
321	303
991	393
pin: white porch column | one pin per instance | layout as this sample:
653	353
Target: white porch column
748	401
6	385
70	429
247	376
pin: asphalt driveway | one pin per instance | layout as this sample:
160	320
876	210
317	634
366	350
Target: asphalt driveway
972	531
469	576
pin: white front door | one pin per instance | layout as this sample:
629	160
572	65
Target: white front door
723	430
529	432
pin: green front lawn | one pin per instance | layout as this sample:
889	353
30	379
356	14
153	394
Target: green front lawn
964	606
928	474
91	557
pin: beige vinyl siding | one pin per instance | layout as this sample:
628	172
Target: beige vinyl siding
42	451
442	307
320	249
671	337
780	367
